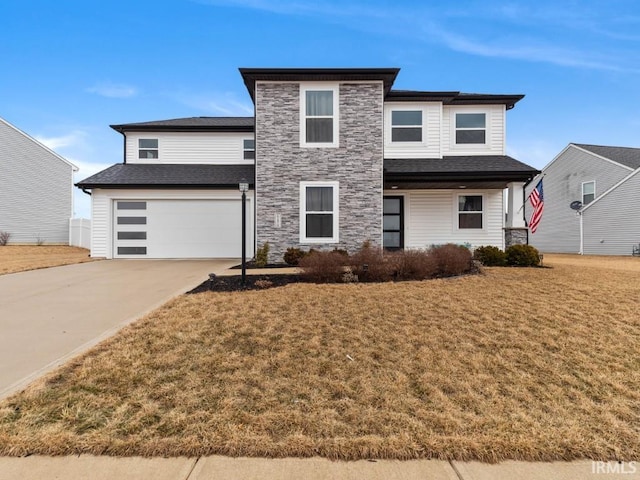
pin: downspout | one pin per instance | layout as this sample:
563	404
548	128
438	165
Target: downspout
581	234
84	190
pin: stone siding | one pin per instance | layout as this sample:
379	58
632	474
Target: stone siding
281	164
515	236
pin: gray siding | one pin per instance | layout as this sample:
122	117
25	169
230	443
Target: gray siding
559	229
612	224
35	190
281	165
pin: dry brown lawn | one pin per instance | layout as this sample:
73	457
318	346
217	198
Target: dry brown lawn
18	258
530	364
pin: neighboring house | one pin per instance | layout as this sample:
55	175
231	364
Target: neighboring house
605	181
333	157
36	189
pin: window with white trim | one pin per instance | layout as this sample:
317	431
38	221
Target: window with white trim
147	148
588	192
406	125
248	149
318	212
319	116
470	211
471	128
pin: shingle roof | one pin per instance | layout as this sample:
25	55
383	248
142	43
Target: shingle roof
209	124
454	98
169	175
449	165
627	156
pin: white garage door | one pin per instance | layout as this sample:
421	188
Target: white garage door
178	228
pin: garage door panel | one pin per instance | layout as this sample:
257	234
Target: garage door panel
182	229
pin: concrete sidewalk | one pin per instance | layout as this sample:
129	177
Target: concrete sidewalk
50	315
216	467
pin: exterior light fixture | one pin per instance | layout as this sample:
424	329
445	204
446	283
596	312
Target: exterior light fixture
244	187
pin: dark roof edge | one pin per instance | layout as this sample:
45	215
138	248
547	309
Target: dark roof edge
454	98
181	128
182	186
251	75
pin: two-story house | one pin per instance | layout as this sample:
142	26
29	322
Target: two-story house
590	196
36	189
333	157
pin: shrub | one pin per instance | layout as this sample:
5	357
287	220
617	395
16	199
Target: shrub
4	238
263	283
340	251
262	255
370	264
522	256
413	264
490	256
452	259
293	256
322	267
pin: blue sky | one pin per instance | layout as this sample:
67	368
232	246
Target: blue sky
71	68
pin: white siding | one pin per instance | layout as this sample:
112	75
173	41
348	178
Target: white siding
612	224
495	136
36	200
102	212
431	218
559	229
191	147
431	126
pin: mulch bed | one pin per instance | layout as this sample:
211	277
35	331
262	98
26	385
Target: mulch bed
250	265
233	283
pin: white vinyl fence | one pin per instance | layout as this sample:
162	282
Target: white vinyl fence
80	232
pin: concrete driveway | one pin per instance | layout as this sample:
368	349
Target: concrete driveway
49	315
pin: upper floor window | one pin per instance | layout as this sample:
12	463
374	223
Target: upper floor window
319	115
148	148
406	126
588	192
249	149
471	128
470	211
318	212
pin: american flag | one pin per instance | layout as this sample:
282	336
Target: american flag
536	197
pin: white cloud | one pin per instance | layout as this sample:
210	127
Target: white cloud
441	25
216	103
86	169
82	201
113	90
72	139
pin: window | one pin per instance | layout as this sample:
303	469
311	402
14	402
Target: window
318	212
471	128
132	205
406	126
132	220
588	192
319	116
148	148
470	211
249	149
392	222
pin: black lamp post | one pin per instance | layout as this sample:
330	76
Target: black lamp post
244	186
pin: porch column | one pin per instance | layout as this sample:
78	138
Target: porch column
515	232
515	208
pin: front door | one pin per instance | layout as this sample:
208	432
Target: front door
393	222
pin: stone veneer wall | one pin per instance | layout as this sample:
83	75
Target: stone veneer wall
281	165
515	236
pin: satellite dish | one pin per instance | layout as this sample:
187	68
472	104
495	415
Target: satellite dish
576	205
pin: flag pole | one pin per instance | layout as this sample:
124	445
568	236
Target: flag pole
528	196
